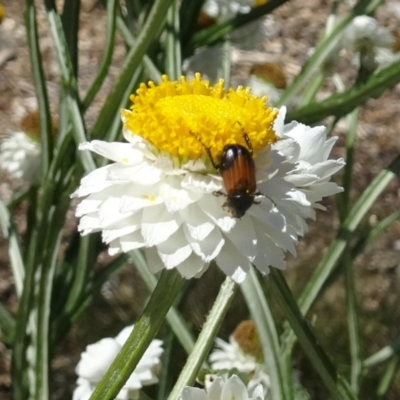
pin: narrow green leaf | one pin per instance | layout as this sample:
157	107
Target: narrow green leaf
262	316
173	44
107	57
205	339
7	326
14	251
323	366
39	80
353	323
368	235
383	354
70	23
343	103
217	32
175	320
388	377
146	328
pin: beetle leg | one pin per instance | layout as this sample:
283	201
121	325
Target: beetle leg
208	151
219	193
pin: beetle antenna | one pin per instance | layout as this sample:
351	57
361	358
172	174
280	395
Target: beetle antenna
246	138
263	195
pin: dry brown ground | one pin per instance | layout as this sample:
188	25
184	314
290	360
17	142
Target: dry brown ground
377	269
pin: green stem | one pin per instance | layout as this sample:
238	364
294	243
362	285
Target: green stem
39	79
388	377
205	339
175	320
353	322
323	366
262	316
343	103
173	44
108	53
167	289
351	138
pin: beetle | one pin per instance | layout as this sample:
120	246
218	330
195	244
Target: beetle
238	174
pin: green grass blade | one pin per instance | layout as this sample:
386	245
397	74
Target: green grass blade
10	234
262	316
206	338
173	45
7	326
167	289
307	339
39	80
108	53
343	103
388	377
217	32
175	320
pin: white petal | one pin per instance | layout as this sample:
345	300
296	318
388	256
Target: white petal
197	223
208	248
158	225
234	388
116	151
176	198
131	241
174	250
190	393
246	244
192	267
233	263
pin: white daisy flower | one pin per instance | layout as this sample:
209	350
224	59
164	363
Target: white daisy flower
207	59
223	10
20	153
20	157
255	33
242	354
364	34
222	389
163	193
98	357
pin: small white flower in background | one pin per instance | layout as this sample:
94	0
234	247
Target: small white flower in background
221	389
159	192
255	33
98	357
20	153
243	354
210	59
365	36
20	157
223	10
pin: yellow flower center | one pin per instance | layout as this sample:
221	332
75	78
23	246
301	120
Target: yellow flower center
182	118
